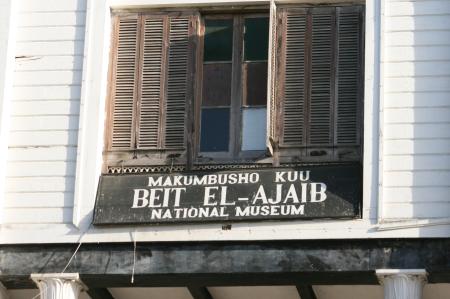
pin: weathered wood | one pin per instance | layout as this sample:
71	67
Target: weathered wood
168	129
236	86
227	263
107	139
126	81
334	93
308	68
198	89
163	82
198	292
101	293
319	108
149	95
190	91
279	76
292	78
305	291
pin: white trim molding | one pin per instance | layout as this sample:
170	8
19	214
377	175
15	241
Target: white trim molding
402	283
379	7
59	285
91	124
372	110
7	47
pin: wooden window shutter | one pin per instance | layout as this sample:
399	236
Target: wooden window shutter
123	93
165	81
319	69
152	58
152	82
272	136
177	82
293	76
349	75
321	77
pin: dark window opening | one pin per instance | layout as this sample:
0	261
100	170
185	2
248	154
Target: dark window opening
234	86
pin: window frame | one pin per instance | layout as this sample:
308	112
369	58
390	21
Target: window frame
284	153
235	154
94	87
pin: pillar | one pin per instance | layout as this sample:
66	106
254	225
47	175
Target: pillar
402	283
58	285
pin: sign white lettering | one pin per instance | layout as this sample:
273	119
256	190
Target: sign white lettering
238	195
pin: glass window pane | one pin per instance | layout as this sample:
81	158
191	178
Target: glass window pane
216	84
218	40
215	130
255	87
256	40
253	129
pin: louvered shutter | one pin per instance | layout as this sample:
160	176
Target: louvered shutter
165	81
124	77
321	77
319	73
349	75
152	82
177	82
294	97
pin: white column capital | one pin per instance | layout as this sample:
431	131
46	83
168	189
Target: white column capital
402	283
58	285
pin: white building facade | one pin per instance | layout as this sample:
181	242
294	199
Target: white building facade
56	72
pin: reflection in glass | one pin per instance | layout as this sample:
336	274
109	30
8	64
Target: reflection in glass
215	130
256	40
218	40
254	129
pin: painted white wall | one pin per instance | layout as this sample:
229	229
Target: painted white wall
44	111
416	125
56	128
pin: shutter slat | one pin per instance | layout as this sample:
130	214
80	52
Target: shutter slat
177	82
348	76
149	117
124	91
294	85
321	76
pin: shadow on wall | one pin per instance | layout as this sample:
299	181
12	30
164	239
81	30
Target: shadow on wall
75	94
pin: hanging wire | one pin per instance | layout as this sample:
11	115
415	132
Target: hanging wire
134	257
38	294
171	165
80	242
72	257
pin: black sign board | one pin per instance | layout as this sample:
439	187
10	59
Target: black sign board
317	191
